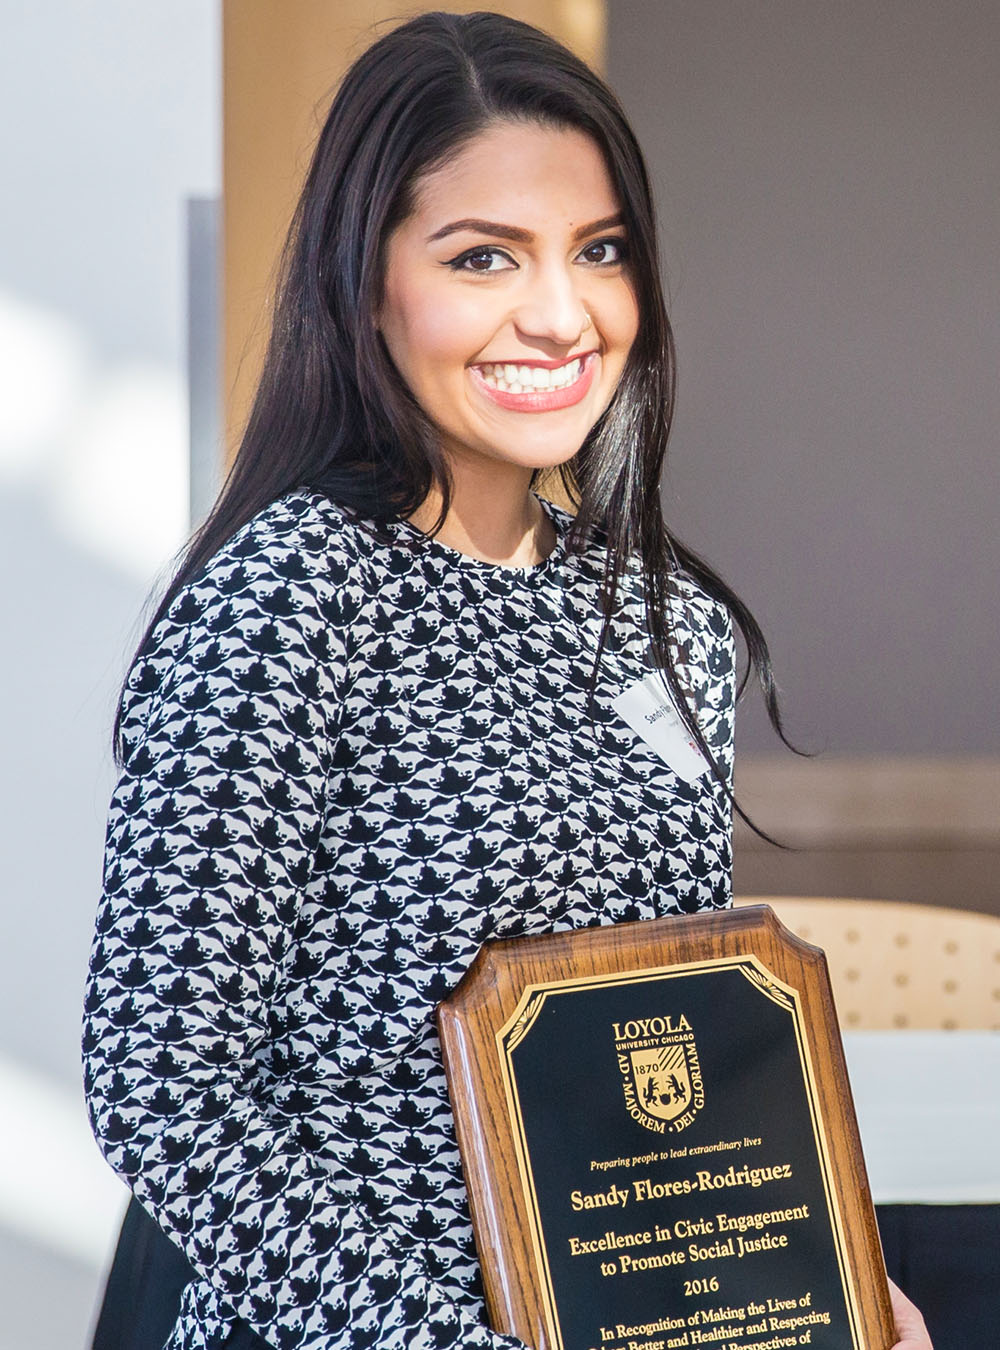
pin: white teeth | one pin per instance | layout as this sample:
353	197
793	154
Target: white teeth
528	379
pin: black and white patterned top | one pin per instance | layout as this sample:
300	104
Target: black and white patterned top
348	761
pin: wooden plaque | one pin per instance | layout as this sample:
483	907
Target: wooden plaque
659	1140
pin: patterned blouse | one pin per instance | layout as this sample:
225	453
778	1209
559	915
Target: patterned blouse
350	758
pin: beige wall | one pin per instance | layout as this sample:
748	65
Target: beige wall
282	60
901	827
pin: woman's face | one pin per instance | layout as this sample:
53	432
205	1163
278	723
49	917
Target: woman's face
508	306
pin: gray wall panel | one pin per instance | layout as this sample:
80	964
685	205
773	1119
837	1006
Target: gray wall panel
827	179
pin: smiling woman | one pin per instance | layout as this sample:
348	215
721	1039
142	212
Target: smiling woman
515	344
373	721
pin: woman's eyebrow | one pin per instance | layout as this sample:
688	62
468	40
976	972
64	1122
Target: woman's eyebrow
511	232
605	223
514	233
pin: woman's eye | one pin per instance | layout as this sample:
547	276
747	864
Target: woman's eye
482	260
605	252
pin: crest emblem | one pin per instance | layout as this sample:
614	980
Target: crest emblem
662	1077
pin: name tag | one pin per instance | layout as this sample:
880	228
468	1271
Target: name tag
647	708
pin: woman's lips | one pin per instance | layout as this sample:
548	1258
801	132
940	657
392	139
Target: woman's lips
519	399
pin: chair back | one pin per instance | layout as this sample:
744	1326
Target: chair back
895	965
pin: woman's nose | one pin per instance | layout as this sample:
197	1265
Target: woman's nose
553	309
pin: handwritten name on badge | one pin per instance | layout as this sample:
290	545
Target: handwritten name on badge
646	707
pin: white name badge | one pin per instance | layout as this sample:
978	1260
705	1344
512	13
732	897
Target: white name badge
649	711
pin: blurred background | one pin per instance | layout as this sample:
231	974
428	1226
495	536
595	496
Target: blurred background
111	130
831	224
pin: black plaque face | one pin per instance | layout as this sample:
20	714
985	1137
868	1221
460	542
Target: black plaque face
673	1162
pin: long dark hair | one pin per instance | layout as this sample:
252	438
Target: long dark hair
331	412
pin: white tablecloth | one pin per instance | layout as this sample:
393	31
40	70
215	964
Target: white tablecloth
928	1105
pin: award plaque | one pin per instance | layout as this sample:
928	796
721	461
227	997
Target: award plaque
659	1140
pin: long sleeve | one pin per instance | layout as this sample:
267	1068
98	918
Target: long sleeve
351	758
230	733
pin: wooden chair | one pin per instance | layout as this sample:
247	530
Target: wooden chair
895	965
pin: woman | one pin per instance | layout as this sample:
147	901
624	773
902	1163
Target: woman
372	722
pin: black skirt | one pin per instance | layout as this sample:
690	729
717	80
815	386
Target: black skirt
143	1293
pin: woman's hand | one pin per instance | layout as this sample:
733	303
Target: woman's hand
909	1324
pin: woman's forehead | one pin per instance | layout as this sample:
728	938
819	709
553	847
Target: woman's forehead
530	169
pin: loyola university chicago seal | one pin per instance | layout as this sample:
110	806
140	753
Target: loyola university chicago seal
661	1075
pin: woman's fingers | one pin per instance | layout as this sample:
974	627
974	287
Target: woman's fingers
910	1329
